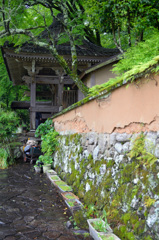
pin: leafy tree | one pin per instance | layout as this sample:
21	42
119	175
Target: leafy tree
126	20
8	126
74	8
16	21
6	87
138	55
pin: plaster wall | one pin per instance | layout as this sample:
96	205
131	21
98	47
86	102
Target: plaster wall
131	108
98	164
104	74
99	76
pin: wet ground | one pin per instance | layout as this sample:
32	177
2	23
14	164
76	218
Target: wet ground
30	207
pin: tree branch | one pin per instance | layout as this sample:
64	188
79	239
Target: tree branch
115	40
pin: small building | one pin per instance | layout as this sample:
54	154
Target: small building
99	73
51	89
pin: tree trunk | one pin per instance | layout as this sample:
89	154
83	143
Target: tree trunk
115	40
129	30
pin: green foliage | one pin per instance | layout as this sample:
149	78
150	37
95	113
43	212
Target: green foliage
139	55
8	126
80	219
127	21
44	128
140	153
101	224
106	237
91	211
26	20
149	201
3	158
10	93
45	159
39	163
49	140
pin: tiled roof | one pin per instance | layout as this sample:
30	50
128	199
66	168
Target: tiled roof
85	49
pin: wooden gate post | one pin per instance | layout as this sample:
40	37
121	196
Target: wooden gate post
33	98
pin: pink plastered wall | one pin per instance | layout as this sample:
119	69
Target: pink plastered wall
128	109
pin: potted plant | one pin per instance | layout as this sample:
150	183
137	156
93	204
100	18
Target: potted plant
51	173
54	178
69	196
38	167
99	226
47	161
108	236
62	186
48	144
73	205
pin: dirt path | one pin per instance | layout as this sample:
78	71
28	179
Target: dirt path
30	207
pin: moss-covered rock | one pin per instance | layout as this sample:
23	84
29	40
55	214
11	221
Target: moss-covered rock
126	186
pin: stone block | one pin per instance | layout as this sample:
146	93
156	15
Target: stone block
112	139
87	187
151	135
157	151
111	153
133	137
126	147
123	137
153	217
150	141
102	142
95	153
119	159
84	140
119	147
92	138
85	154
91	148
103	169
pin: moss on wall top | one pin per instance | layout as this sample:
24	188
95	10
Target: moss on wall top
140	70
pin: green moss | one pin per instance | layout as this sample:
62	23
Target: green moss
81	191
63	175
55	178
146	213
126	217
139	227
90	197
110	163
127	172
156	190
70	196
101	194
148	238
67	141
80	150
134	218
90	157
123	233
80	219
97	166
65	188
60	183
128	76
